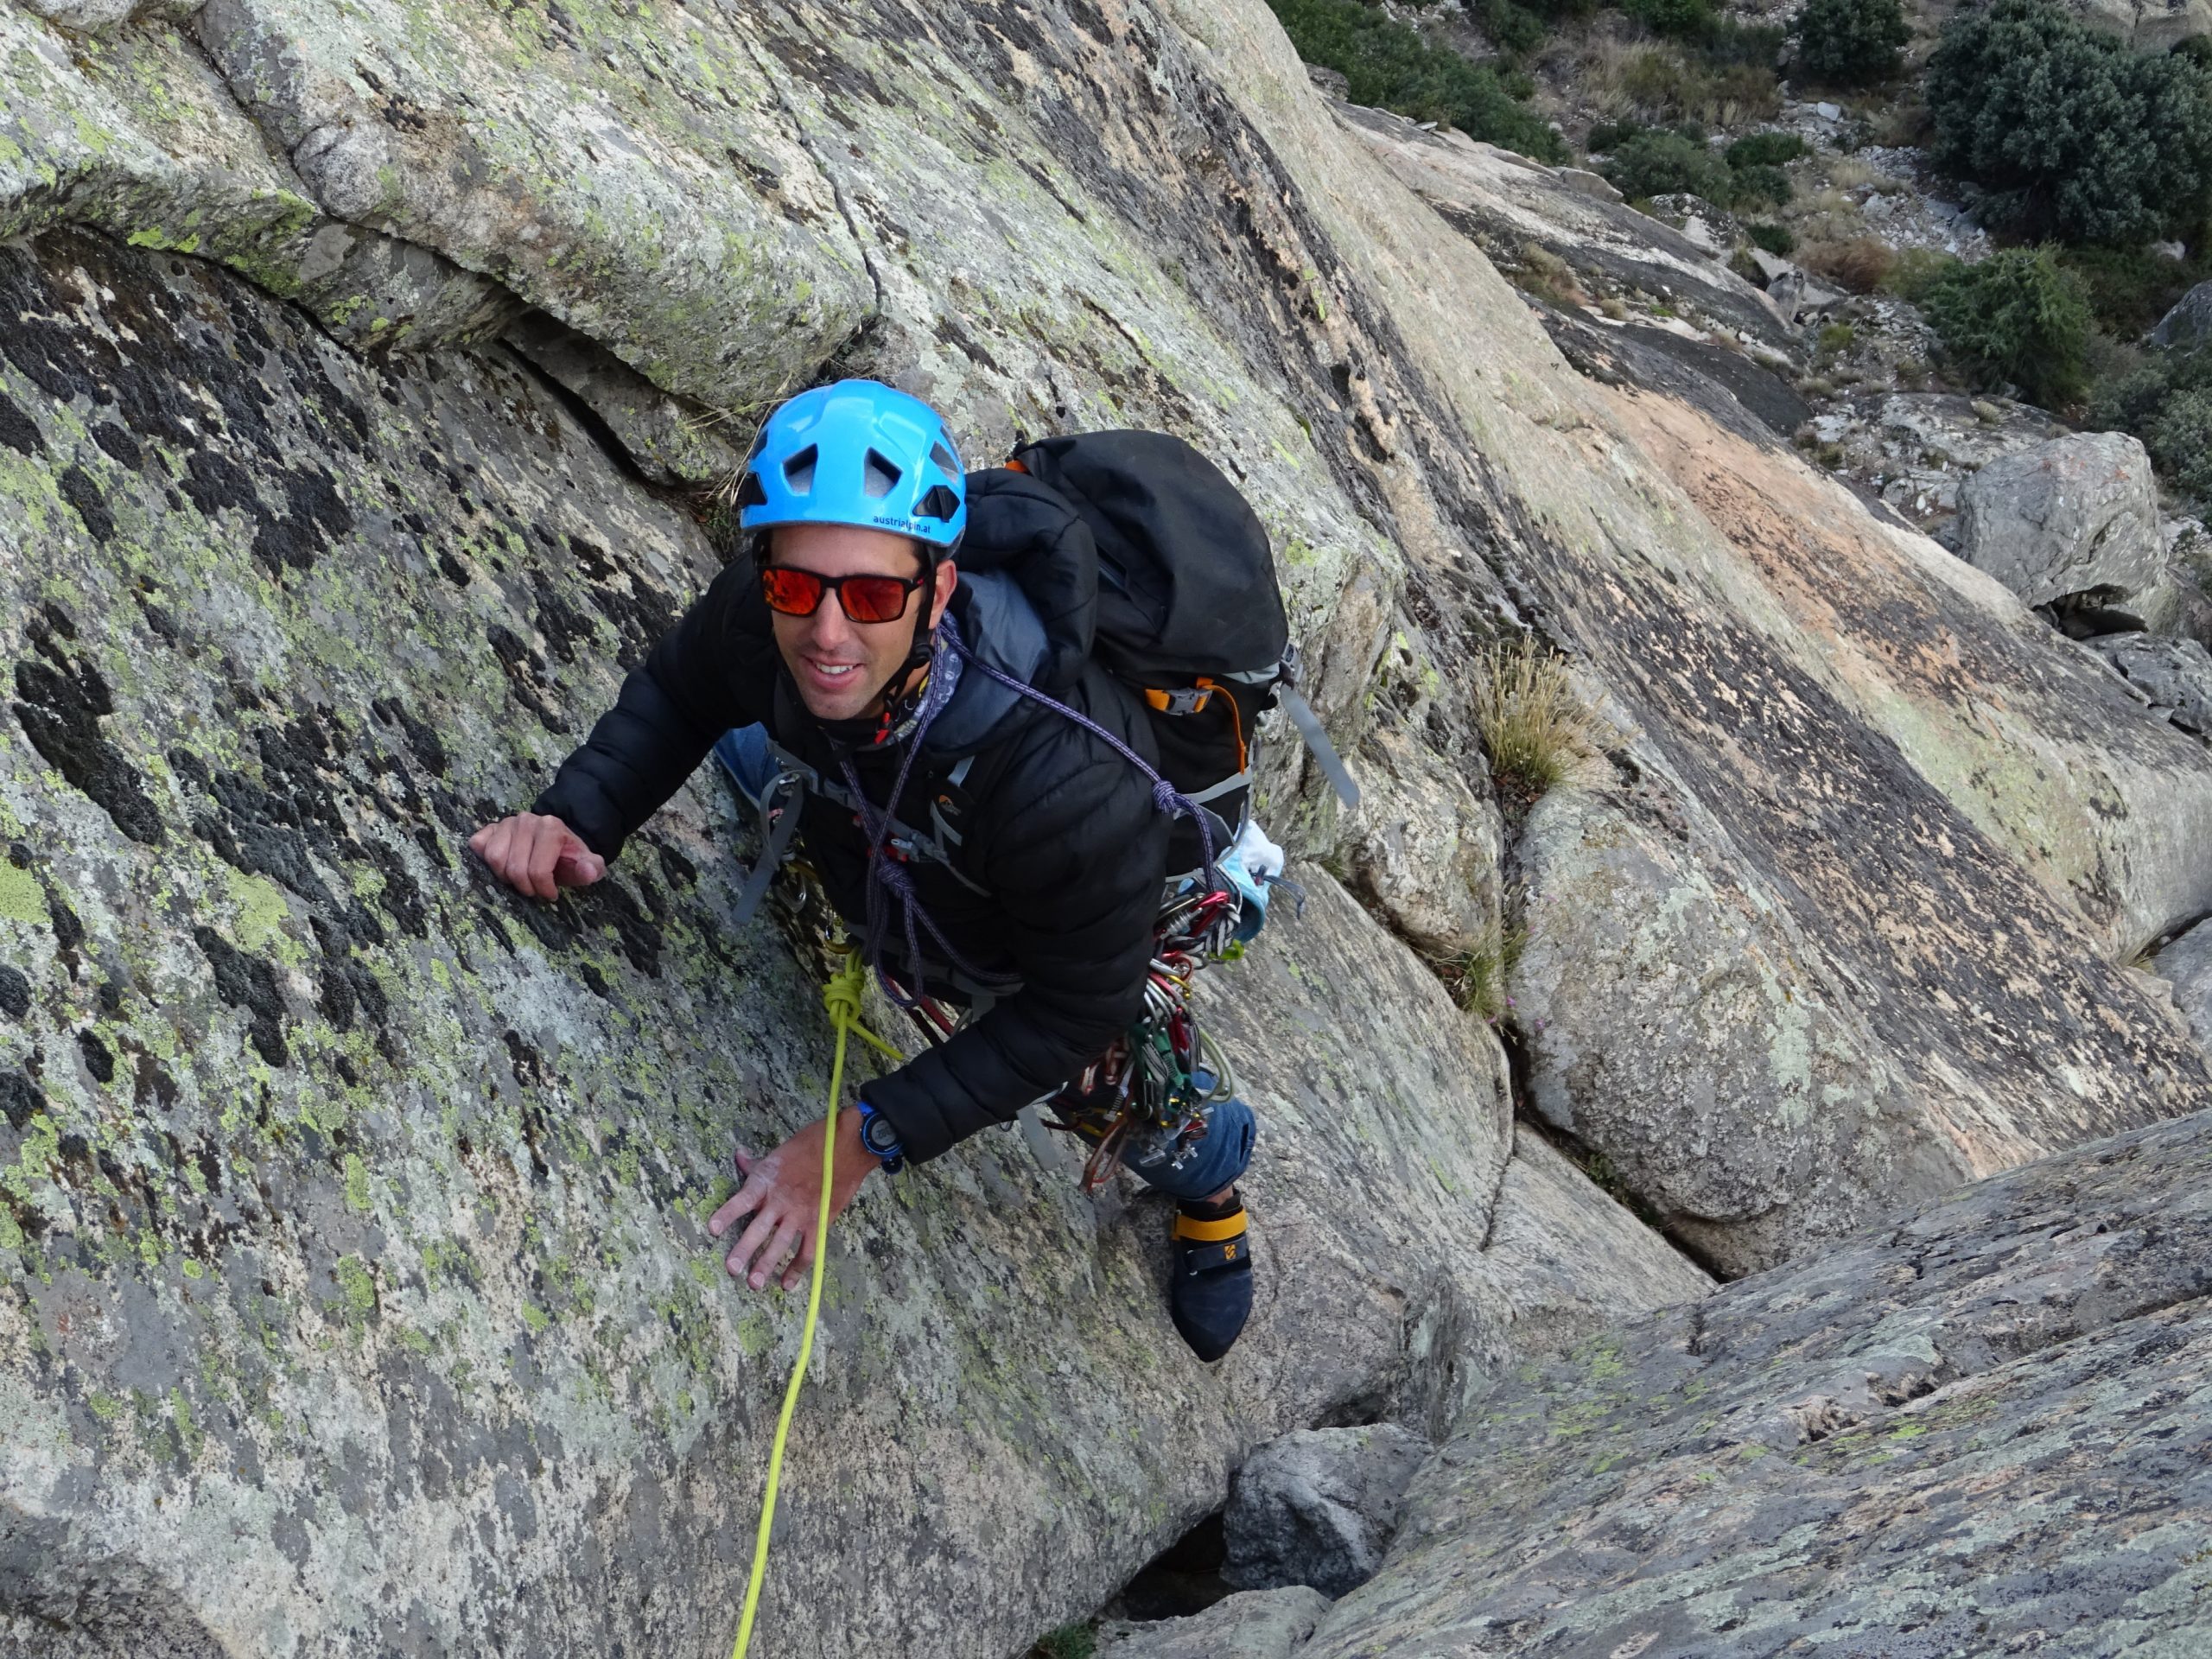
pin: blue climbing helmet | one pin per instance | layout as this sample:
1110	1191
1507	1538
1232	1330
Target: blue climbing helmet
856	453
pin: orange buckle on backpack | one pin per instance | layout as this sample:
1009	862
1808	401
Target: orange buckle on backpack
1184	700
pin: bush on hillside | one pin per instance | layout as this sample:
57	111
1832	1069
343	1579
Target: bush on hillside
2180	440
1766	150
1776	239
2072	132
1512	27
1759	187
2018	316
2130	289
2163	397
1850	42
1659	162
1680	20
1914	273
1392	67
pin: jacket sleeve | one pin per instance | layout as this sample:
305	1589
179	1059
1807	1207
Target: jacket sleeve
1077	869
671	709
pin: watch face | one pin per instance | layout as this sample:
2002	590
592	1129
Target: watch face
875	1134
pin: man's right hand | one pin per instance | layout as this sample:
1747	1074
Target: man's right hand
536	854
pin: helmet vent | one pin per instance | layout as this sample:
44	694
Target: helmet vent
947	462
798	470
882	476
752	492
939	503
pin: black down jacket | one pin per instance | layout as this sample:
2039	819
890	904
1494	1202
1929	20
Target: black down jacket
1059	831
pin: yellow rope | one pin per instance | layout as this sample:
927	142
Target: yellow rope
842	997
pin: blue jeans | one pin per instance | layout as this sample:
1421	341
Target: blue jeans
743	752
1219	1159
1216	1160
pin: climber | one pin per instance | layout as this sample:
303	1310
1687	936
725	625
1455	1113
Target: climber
844	645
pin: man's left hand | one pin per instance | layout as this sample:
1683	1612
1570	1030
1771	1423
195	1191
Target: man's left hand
783	1194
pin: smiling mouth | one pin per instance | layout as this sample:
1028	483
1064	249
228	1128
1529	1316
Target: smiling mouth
833	670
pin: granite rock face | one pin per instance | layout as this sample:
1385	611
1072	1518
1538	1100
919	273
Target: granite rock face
1980	1429
354	1207
1317	1507
355	1293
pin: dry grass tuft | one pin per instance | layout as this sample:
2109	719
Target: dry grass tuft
1478	976
1544	273
1534	727
1634	80
1858	266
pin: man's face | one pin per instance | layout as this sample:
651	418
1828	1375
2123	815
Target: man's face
841	666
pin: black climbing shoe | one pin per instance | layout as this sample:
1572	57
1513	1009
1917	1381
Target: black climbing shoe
1211	1294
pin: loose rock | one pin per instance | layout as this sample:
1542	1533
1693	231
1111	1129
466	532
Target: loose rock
1317	1507
1256	1624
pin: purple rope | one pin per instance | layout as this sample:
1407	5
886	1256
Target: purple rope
889	878
1165	796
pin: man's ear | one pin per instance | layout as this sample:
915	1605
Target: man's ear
947	578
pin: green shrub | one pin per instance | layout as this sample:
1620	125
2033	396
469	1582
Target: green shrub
1915	271
1850	42
2180	440
2131	396
2018	316
2130	289
1750	45
1392	67
1653	163
1759	187
1682	20
1766	150
1775	238
1512	27
2072	132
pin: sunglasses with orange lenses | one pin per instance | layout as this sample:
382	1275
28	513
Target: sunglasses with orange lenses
865	599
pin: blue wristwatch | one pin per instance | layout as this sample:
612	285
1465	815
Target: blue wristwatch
879	1138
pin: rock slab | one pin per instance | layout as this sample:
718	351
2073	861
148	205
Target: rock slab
1983	1429
1317	1507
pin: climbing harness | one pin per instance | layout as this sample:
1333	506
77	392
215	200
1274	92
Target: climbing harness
1151	1096
842	997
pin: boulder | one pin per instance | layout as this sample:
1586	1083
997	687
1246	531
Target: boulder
1255	1624
1425	851
1583	180
2175	676
2148	28
1977	1429
2187	965
2188	322
2072	519
1317	1507
1683	1018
